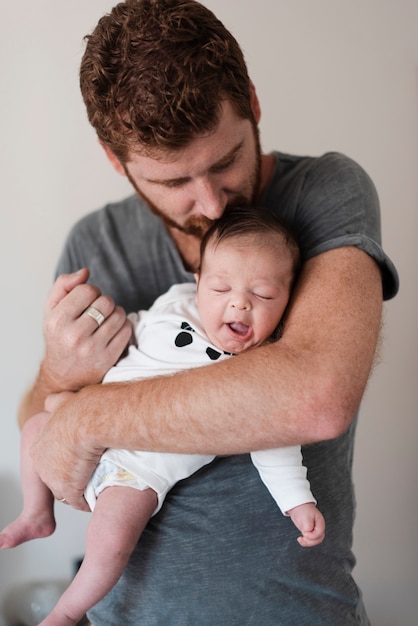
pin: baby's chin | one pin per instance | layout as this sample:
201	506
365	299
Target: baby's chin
234	340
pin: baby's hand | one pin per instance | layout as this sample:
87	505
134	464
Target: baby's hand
310	522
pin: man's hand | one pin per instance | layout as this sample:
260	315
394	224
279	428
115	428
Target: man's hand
62	456
78	350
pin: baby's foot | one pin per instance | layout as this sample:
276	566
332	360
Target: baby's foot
25	528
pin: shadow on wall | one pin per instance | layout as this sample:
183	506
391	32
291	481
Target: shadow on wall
11	505
12	562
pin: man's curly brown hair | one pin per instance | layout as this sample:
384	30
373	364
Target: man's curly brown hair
155	72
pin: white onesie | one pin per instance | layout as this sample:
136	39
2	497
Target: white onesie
169	338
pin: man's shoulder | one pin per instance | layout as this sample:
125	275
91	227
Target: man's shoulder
309	188
121	215
329	164
125	227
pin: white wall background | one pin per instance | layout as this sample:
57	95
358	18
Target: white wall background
331	75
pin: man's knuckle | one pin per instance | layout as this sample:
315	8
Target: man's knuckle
120	312
108	303
88	292
52	324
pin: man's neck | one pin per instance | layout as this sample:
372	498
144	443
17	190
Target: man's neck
188	247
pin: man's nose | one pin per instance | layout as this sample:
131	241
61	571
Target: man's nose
211	199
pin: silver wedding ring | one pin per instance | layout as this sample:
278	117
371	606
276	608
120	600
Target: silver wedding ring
61	500
98	317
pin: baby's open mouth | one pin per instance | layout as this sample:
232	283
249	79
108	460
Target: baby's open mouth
239	328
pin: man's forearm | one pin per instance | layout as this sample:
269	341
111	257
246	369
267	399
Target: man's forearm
222	409
219	409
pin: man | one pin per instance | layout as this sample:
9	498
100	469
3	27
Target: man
167	90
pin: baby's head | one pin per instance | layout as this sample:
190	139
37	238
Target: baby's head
248	264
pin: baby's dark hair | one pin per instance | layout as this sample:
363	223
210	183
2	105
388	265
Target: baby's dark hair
251	223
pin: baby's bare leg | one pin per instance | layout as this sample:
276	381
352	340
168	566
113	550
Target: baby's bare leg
37	517
117	522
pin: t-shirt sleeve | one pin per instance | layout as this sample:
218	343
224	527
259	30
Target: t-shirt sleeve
339	206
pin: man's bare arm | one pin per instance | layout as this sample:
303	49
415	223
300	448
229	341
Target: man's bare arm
305	388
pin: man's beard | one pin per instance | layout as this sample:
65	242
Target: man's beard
198	225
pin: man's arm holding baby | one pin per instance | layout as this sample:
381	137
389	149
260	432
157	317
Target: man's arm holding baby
305	388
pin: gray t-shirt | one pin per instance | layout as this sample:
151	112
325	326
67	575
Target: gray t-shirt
219	552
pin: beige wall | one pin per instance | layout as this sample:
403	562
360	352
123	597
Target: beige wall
331	75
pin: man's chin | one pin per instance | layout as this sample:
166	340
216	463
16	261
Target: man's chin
197	227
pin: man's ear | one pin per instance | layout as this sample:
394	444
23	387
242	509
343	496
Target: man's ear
255	103
114	161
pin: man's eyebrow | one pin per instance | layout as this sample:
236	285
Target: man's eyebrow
223	162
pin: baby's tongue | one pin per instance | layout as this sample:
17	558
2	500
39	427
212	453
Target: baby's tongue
239	328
